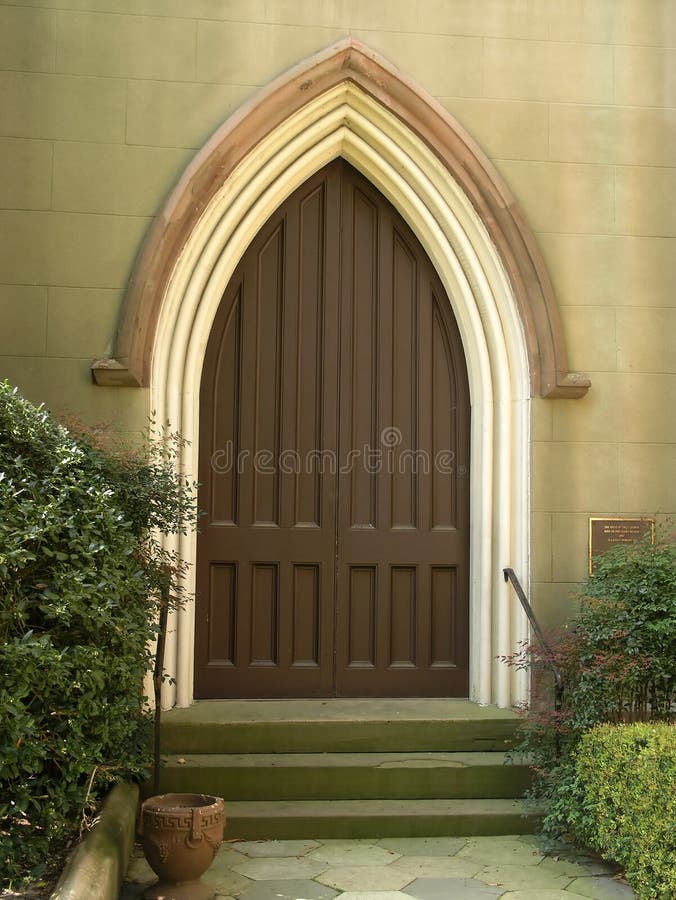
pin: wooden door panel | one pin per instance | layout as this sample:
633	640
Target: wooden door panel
399	393
360	616
338	563
402	615
264	371
403	514
306	616
264	629
445	618
359	357
223	500
266	548
222	592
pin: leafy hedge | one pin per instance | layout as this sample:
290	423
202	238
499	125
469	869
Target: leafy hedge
618	660
625	802
626	667
80	572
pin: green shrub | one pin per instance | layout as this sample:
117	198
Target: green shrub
80	572
624	789
625	664
618	660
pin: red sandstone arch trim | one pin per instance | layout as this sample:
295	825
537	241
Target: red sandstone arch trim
348	60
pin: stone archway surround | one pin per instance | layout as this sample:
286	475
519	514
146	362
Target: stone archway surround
347	102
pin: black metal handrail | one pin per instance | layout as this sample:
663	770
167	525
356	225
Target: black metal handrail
510	575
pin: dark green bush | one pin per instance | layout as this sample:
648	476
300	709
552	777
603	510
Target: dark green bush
625	664
618	660
80	574
624	788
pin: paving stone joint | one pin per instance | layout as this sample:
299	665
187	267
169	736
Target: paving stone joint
511	867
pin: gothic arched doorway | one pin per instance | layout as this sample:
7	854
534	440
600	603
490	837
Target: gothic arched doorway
348	102
333	559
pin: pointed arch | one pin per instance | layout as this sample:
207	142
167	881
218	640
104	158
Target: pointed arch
348	62
348	102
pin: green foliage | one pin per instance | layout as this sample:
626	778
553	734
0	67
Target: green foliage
81	571
618	661
627	628
624	788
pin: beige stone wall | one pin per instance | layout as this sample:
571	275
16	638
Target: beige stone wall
103	102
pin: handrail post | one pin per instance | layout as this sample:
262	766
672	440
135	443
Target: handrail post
510	576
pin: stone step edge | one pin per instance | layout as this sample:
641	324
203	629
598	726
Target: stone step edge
461	759
336	776
324	808
332	737
439	709
260	820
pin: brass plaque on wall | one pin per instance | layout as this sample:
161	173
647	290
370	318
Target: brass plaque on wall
605	533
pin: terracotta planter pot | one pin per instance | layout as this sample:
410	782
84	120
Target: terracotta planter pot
181	835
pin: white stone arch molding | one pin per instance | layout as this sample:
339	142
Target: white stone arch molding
347	101
347	122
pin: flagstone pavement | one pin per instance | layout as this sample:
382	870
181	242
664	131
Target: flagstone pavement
434	868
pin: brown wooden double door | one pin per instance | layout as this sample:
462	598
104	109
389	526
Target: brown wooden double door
334	452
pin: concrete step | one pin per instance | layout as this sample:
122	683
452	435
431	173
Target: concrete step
334	776
294	768
336	726
289	819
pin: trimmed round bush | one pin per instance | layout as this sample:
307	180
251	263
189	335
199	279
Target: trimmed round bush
625	784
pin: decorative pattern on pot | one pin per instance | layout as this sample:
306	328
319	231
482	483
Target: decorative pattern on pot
181	835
